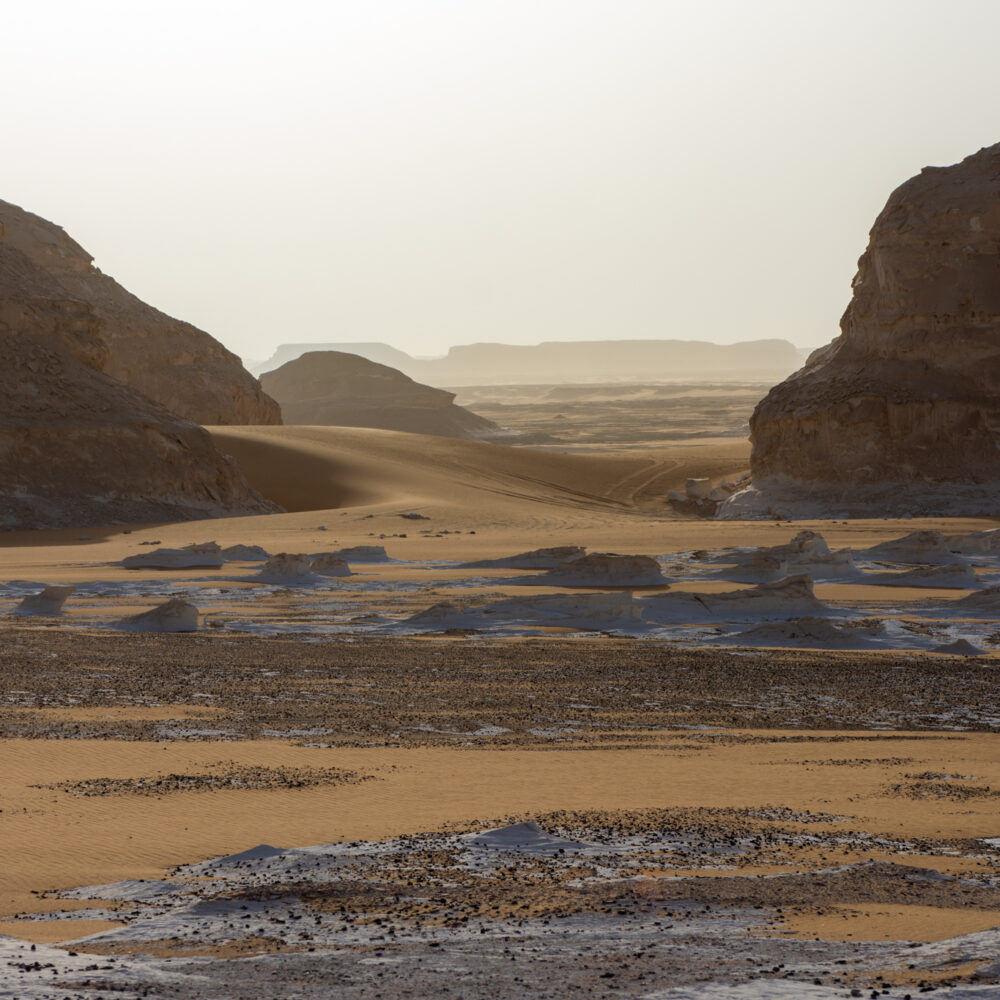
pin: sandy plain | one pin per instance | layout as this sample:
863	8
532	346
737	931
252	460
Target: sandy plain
840	774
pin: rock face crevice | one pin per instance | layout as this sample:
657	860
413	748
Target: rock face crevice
909	394
171	362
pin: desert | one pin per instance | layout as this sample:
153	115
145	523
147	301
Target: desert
564	608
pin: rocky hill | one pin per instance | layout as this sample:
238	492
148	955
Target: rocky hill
171	362
330	387
901	413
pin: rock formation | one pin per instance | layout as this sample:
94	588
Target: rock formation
329	387
901	413
173	363
78	447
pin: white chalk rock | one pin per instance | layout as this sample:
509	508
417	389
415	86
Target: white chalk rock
205	548
953	575
173	559
548	558
330	565
601	569
245	553
589	612
363	554
812	633
287	567
928	547
173	616
786	598
522	838
698	489
50	601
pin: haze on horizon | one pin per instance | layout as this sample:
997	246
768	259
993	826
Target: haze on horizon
433	173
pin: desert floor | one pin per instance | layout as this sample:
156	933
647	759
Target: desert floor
711	820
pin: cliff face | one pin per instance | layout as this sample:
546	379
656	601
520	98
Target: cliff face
171	362
78	447
328	387
909	393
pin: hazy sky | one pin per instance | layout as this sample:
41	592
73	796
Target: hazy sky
431	172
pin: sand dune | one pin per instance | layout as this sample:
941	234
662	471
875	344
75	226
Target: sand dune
318	468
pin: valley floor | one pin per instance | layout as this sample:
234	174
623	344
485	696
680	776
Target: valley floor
302	800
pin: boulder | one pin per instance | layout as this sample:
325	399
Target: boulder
169	361
330	387
901	413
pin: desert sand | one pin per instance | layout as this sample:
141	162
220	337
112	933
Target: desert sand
310	711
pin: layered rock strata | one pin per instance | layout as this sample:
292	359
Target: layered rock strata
901	413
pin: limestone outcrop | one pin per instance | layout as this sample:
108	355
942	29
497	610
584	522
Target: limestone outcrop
169	361
901	413
344	390
78	447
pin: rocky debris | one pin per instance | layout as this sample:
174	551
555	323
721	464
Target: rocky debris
330	565
547	558
44	272
220	776
78	447
786	598
330	387
601	569
922	547
186	558
900	413
174	615
50	601
286	567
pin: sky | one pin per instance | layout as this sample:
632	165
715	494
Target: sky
435	172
